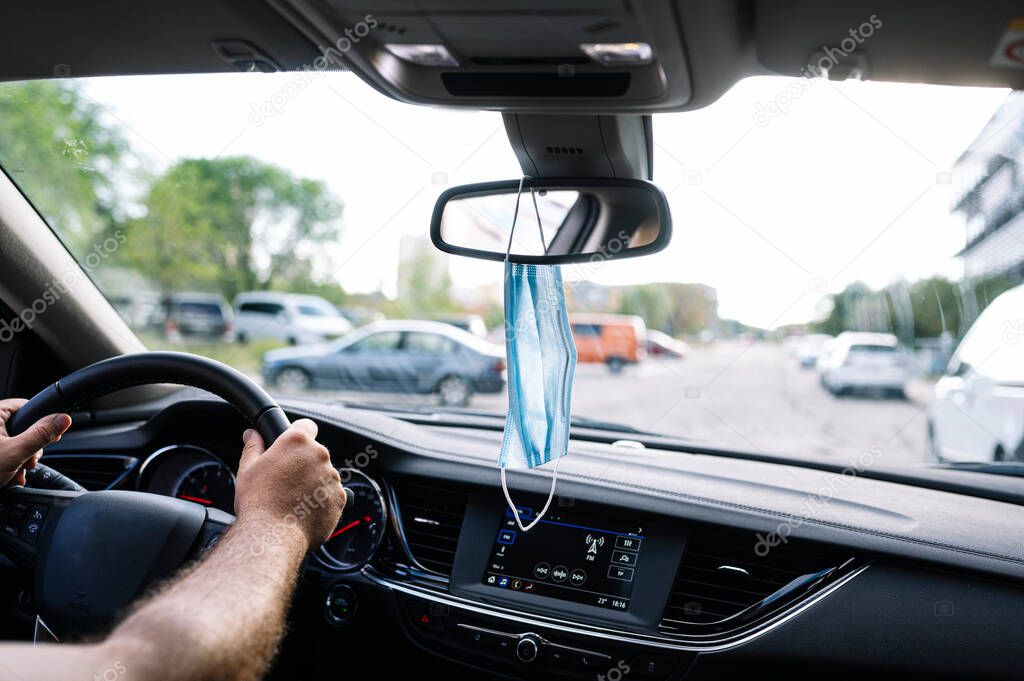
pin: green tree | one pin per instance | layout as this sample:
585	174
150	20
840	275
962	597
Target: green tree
56	145
230	225
671	307
424	285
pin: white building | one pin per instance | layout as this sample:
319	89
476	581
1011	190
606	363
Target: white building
989	177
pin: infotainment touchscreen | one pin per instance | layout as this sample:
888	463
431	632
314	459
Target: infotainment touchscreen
571	556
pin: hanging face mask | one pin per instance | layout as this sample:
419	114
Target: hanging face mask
541	359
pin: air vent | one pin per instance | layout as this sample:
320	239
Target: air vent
93	471
722	575
431	517
563	151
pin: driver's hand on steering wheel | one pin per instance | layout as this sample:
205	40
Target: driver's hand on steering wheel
19	453
292	483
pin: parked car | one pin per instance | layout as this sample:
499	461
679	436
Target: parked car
660	344
472	323
195	315
400	356
978	410
859	361
812	347
290	318
612	339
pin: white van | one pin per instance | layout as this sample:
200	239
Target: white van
978	410
292	318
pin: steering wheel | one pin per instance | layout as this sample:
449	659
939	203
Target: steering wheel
94	552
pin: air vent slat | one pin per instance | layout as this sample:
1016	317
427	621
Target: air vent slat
722	574
92	471
431	521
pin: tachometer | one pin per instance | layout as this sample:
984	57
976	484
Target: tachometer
361	529
209	483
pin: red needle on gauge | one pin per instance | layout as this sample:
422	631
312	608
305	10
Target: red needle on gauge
343	529
198	500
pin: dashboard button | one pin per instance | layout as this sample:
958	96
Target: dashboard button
623	573
527	649
623	558
576	658
424	619
485	639
628	543
541	570
577	577
652	665
340	605
559	574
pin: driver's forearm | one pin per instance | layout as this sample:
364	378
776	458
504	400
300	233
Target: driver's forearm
224	618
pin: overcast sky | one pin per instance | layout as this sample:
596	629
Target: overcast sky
771	208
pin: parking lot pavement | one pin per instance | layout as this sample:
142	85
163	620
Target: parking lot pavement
735	395
752	397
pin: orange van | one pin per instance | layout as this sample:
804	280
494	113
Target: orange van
612	339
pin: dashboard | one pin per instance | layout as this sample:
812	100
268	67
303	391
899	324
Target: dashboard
656	566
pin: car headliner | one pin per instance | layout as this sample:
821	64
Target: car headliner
702	48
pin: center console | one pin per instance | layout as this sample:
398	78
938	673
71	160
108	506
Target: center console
557	599
590	588
581	562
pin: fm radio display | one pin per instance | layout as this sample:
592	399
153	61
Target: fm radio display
567	555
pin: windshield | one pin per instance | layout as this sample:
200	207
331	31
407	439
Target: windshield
804	211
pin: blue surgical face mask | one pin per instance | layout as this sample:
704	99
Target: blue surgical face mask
541	359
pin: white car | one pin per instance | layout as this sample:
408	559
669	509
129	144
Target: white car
288	317
859	361
978	410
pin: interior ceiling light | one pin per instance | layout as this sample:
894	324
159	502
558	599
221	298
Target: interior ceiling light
618	54
424	54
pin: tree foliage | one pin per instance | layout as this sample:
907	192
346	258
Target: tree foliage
675	309
926	308
231	225
58	147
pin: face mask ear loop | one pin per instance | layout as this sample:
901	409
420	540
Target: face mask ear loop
540	229
515	217
543	511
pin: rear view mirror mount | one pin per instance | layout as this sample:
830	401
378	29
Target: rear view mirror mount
581	220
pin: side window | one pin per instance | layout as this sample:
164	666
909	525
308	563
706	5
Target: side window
385	341
586	330
270	309
428	344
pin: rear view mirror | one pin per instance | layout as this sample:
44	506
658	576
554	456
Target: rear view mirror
581	220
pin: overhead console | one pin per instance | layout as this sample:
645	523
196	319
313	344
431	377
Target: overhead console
595	55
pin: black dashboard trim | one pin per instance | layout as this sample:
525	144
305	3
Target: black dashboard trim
520	617
393	440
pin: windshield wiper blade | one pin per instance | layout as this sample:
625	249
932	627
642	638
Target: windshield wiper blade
1014	470
596	424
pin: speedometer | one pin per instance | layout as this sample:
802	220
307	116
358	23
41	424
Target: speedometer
209	483
361	529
